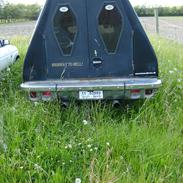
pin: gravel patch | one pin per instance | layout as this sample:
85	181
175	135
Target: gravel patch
8	31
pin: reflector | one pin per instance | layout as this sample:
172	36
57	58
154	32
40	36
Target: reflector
135	91
33	95
47	94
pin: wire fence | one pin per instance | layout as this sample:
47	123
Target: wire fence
169	27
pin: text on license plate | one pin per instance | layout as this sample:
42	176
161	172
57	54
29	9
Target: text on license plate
91	95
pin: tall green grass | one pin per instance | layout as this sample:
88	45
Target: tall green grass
140	142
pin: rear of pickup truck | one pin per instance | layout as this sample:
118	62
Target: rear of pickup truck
90	50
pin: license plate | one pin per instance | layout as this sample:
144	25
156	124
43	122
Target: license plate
91	95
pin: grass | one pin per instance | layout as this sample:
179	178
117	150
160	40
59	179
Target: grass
173	18
141	142
5	22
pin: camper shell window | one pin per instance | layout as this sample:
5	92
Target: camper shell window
110	26
65	28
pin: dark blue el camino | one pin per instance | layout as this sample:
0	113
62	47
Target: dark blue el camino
90	50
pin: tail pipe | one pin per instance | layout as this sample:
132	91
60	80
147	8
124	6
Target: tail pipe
116	104
64	104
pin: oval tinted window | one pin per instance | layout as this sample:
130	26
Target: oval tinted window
110	27
65	29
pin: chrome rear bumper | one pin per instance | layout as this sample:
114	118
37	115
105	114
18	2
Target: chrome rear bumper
113	88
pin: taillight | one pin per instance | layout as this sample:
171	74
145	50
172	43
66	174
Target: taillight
135	91
34	96
135	94
46	96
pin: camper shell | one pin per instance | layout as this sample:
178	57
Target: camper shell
90	50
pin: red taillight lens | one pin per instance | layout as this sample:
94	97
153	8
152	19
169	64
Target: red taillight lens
33	95
46	94
135	91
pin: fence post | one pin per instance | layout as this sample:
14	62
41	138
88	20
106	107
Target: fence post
156	13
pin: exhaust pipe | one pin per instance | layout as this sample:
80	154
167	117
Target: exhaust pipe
116	104
64	104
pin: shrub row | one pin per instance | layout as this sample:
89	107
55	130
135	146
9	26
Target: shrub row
163	11
10	12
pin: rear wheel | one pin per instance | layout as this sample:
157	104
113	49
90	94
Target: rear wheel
18	57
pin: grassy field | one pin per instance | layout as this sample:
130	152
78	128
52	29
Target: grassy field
140	142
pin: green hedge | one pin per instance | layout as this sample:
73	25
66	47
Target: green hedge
19	11
163	11
9	12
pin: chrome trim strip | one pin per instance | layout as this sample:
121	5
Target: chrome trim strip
97	62
92	84
145	73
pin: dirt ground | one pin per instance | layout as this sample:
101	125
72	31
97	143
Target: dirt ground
170	27
16	29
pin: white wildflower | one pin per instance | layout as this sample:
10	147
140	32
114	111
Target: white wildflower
69	146
78	180
171	72
85	122
37	167
8	69
89	140
108	144
121	157
96	148
5	147
13	109
89	145
179	80
36	104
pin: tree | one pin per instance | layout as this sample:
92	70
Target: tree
19	11
32	12
163	11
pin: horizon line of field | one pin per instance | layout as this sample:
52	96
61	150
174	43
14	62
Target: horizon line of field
169	27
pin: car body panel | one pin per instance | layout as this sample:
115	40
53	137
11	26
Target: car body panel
8	55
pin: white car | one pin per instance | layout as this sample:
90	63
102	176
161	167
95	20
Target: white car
8	54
